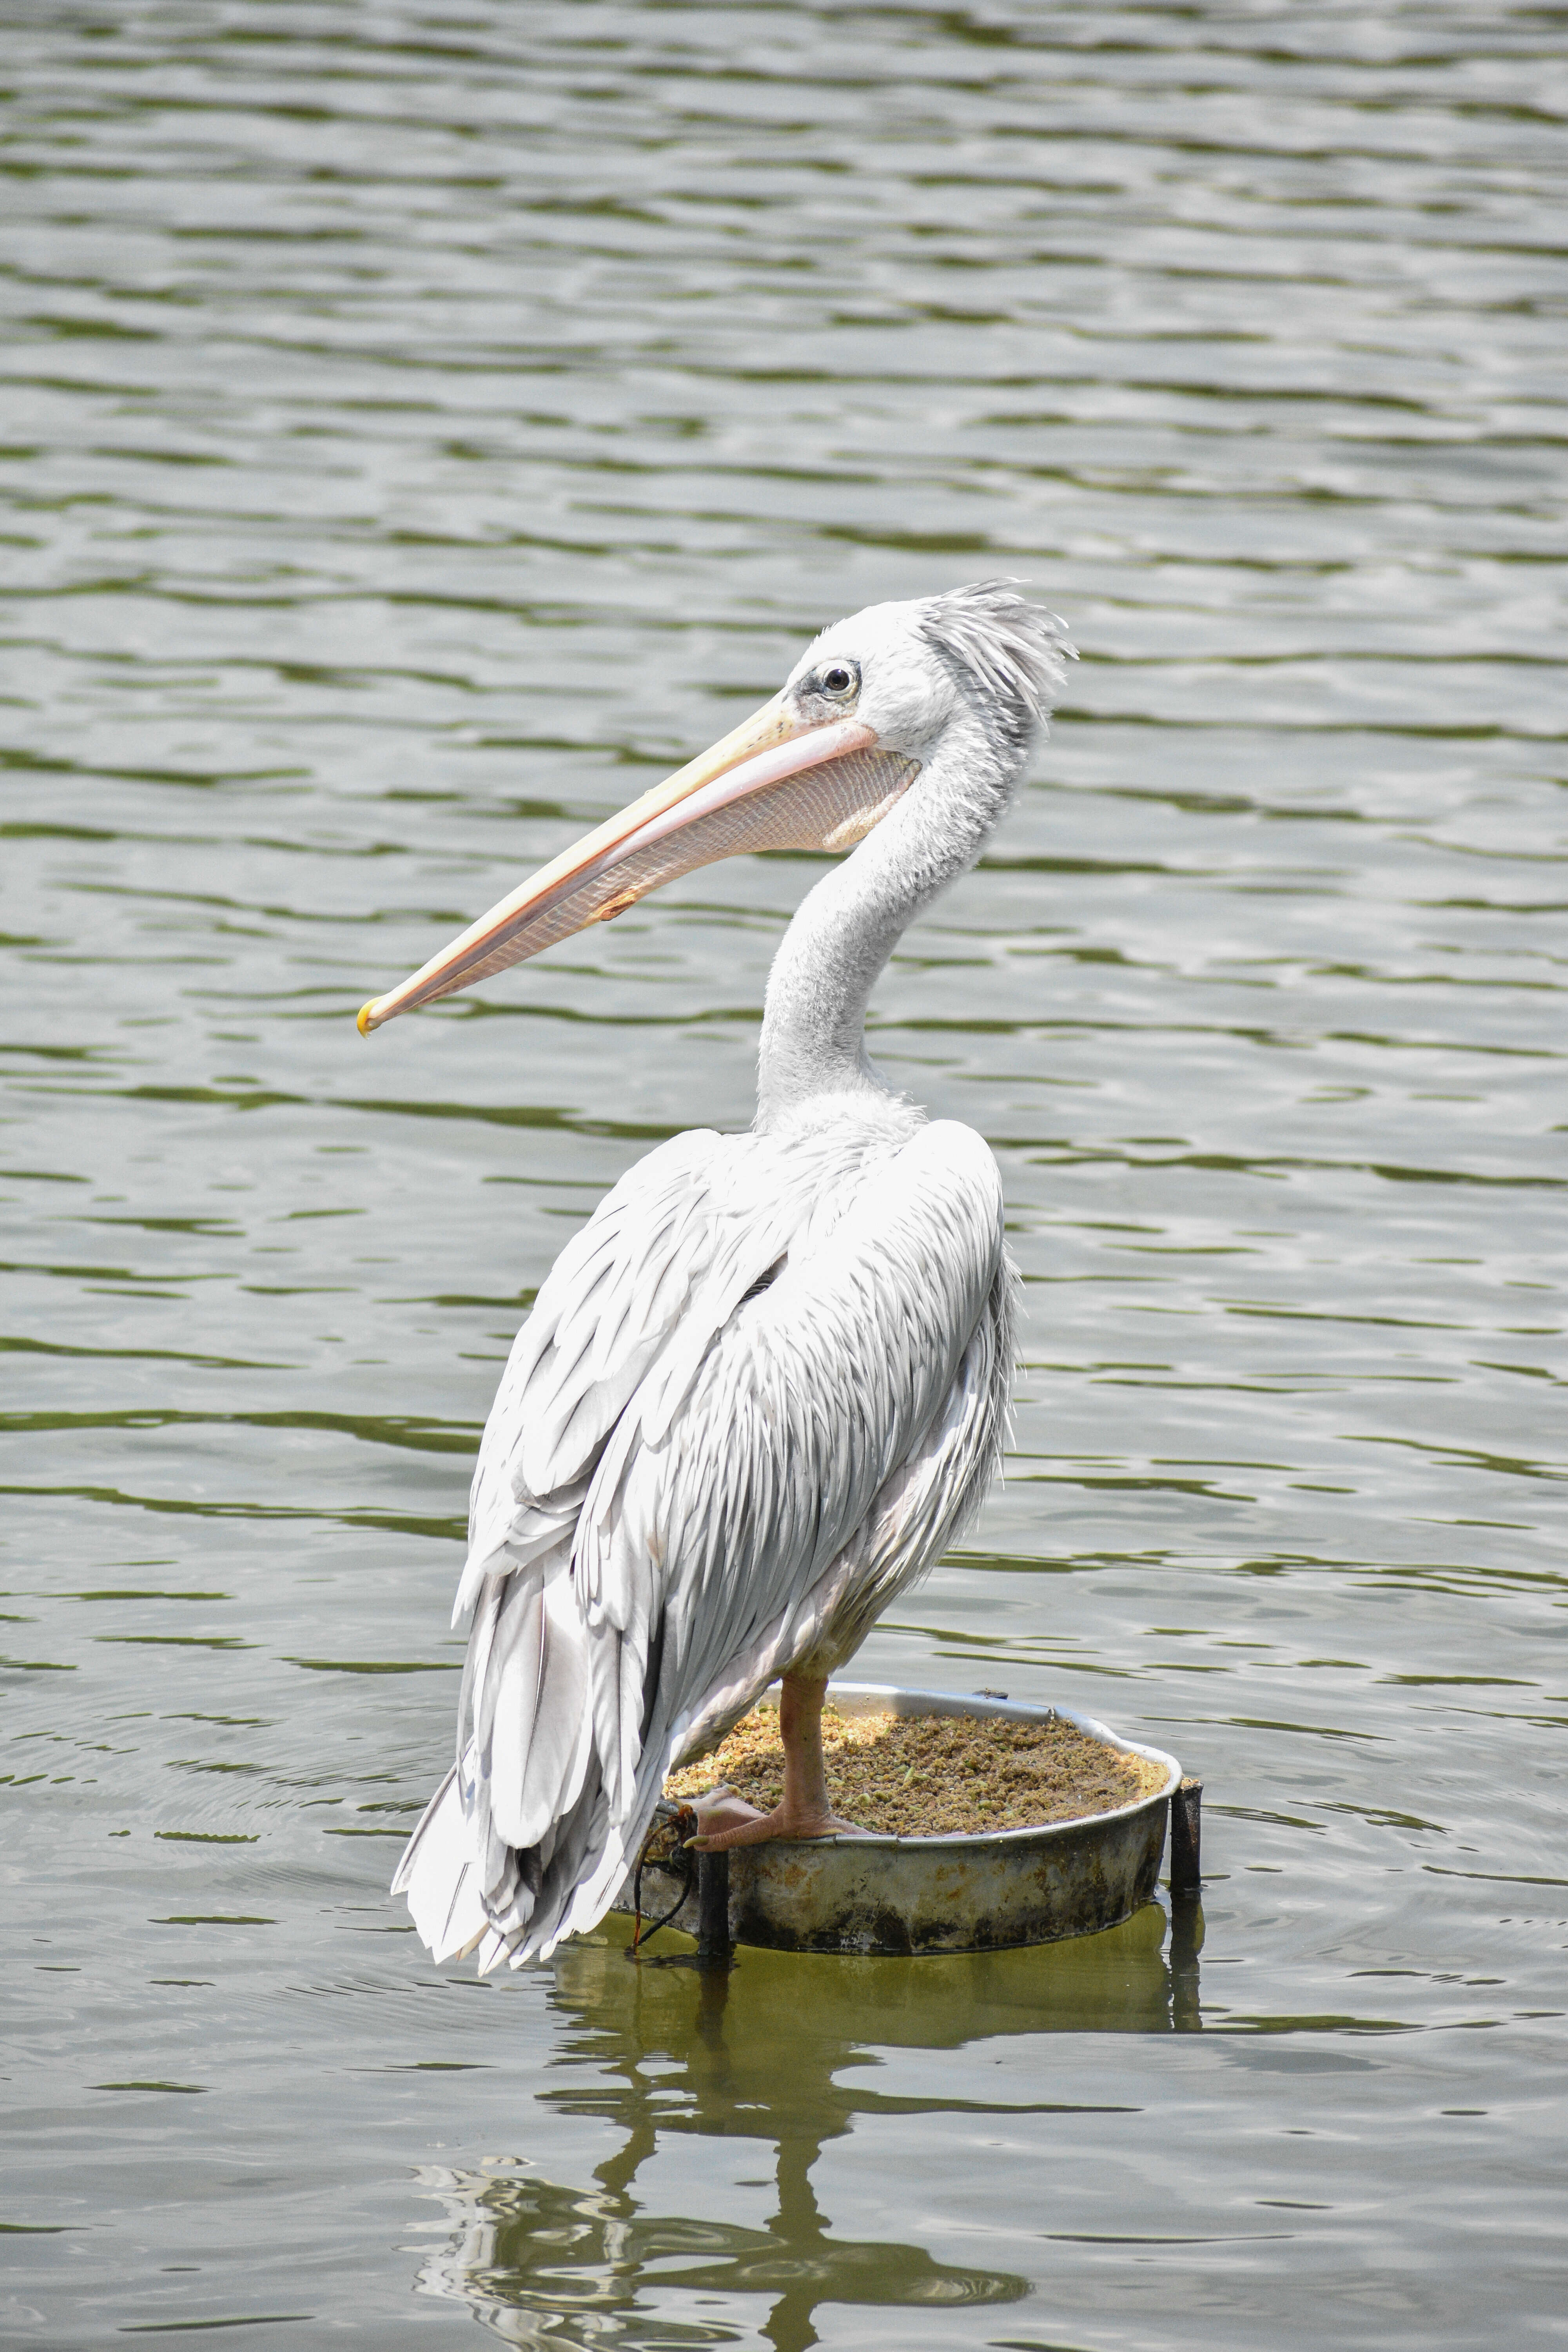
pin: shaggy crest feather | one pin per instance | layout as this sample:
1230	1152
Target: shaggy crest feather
1003	651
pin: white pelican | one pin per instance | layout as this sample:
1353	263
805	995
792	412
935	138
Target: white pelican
767	1385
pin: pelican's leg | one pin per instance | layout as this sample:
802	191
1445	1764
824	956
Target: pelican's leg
725	1819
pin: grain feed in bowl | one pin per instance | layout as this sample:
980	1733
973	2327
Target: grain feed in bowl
933	1775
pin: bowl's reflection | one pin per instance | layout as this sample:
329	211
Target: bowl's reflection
772	2050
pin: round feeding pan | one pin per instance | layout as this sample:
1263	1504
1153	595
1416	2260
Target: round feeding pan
954	1894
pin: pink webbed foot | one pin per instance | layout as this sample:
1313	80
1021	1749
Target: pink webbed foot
725	1819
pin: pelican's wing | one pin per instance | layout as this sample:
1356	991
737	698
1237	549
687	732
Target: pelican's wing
659	1265
669	1250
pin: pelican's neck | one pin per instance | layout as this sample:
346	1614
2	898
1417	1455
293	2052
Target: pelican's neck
814	1023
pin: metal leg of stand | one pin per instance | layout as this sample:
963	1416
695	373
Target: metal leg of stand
1186	1838
713	1907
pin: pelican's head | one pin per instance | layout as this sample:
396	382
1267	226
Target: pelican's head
979	658
861	713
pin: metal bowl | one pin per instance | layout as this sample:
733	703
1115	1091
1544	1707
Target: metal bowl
957	1894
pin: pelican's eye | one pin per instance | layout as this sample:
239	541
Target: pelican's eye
840	680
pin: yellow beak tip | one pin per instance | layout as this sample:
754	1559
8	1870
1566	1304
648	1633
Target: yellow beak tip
362	1020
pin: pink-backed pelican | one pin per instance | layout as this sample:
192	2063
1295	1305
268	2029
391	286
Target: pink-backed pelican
767	1383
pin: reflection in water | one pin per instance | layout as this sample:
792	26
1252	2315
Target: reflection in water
677	2051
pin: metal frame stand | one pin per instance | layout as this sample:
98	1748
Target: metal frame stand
713	1907
1186	1838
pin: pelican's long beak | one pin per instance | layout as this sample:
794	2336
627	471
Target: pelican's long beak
774	782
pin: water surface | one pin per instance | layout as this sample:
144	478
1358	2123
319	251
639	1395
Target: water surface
423	427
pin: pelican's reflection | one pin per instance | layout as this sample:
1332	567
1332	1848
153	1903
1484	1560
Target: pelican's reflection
769	2059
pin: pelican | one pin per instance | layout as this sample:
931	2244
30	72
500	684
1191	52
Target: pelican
767	1383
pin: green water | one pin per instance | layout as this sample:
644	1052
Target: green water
424	425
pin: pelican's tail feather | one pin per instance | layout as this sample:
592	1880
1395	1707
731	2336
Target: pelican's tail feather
439	1874
516	1848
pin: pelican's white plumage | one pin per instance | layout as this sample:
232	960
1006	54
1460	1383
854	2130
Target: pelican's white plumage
766	1385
